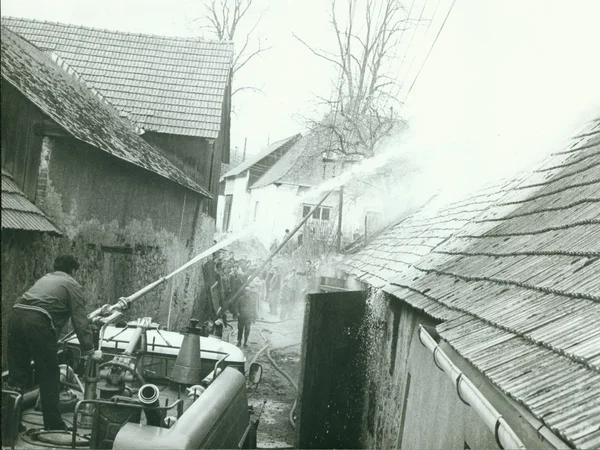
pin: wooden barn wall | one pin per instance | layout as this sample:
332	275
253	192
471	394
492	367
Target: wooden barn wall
21	146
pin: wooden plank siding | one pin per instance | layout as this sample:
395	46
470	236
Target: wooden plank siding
332	374
21	146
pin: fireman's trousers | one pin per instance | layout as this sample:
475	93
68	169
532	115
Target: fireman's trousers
31	336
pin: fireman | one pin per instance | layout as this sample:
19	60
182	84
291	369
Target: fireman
287	295
35	324
246	309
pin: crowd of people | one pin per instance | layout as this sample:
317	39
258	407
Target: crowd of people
281	284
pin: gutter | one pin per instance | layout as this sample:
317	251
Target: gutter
508	406
505	437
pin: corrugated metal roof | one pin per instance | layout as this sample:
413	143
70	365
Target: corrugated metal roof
79	111
18	213
253	159
515	275
164	84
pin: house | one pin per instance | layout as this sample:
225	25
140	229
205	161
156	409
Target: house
177	91
284	188
484	314
127	212
234	214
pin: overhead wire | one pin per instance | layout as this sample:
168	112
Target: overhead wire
430	49
407	73
402	35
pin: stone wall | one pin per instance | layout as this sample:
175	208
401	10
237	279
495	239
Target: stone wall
410	403
128	227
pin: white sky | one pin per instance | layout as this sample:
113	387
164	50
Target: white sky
506	80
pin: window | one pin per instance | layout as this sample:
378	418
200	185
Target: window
320	213
255	211
373	221
227	214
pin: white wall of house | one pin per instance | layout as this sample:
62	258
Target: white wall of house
368	203
281	207
237	188
220	214
273	209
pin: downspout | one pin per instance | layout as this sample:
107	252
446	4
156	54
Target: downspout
505	437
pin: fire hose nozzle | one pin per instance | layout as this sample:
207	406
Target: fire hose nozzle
122	304
148	394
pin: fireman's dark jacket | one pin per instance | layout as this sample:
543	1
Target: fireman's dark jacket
59	296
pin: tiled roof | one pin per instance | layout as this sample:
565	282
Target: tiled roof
254	159
302	165
400	246
517	285
18	213
80	112
164	84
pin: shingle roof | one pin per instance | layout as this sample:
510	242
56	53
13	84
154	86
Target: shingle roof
256	158
302	165
400	246
164	84
18	213
517	285
79	111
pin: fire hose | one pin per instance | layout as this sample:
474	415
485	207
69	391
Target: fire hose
107	314
281	371
259	269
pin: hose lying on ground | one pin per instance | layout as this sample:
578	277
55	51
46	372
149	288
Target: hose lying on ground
286	376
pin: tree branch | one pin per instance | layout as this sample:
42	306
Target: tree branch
317	53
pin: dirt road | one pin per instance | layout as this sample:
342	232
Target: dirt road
275	429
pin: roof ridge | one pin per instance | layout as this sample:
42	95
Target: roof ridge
129	33
152	161
265	152
199	67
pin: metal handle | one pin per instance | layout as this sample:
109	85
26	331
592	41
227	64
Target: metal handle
218	363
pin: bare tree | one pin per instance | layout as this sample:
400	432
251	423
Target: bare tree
222	19
367	34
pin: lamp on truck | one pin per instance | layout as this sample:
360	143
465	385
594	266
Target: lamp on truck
187	366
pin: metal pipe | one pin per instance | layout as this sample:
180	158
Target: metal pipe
133	342
148	394
469	394
30	398
272	255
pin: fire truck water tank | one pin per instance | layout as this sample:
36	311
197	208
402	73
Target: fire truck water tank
218	419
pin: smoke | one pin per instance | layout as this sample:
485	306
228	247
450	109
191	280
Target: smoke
506	84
